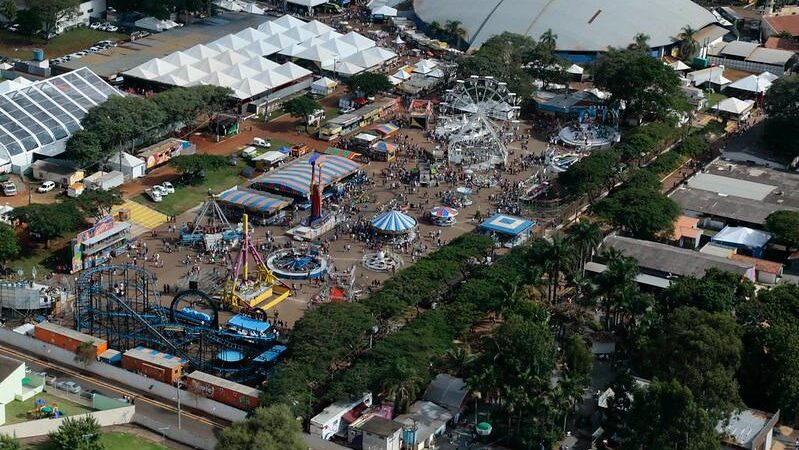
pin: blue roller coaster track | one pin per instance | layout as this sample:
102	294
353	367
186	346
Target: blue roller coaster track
120	303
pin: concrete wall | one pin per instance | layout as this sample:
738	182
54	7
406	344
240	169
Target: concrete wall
123	377
42	427
172	432
12	385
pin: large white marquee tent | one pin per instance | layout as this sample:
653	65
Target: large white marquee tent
238	60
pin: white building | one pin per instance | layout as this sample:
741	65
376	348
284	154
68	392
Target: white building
86	10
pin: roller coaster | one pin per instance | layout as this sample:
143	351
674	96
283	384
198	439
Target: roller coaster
120	303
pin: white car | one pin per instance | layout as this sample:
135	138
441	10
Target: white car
94	26
112	28
9	189
47	186
261	142
160	190
167	186
154	196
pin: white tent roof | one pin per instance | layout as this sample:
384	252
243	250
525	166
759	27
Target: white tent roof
752	83
249	88
575	69
260	48
292	71
220	79
201	51
293	50
128	160
346	68
435	73
281	41
385	11
240	72
713	75
138	72
394	80
768	76
172	79
252	8
271	28
157	67
324	82
230	5
251	35
288	21
734	105
211	65
359	41
424	66
231	58
380	52
272	79
229	42
180	59
399	40
299	34
318	54
261	64
190	74
402	74
340	48
678	65
317	27
330	35
742	236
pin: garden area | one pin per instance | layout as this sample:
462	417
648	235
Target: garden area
17	411
15	45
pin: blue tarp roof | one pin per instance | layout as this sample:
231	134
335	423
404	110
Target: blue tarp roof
508	225
246	323
295	177
254	201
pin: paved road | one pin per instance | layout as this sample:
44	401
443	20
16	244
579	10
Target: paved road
149	406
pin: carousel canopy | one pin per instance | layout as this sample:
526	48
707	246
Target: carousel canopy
393	222
443	211
295	177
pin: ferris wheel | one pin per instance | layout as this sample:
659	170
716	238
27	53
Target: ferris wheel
475	114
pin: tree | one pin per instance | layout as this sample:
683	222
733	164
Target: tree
85	353
53	11
586	236
558	257
640	42
84	148
367	84
648	87
403	385
455	31
543	64
78	434
9	244
9	443
119	120
29	22
48	221
578	357
504	57
272	428
666	416
590	175
180	105
196	165
715	292
435	28
784	224
617	287
642	212
8	9
688	44
699	349
302	107
98	203
782	108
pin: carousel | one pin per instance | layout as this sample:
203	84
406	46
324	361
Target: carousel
295	264
595	128
394	227
382	261
443	216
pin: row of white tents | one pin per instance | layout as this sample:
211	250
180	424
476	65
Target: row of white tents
239	60
754	84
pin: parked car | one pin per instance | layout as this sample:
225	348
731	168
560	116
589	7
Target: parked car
154	196
160	190
47	186
95	26
167	186
249	153
9	189
69	386
261	142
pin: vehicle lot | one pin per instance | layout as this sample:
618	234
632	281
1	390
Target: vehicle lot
15	45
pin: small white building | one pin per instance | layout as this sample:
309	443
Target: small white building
130	166
323	86
82	15
381	434
330	421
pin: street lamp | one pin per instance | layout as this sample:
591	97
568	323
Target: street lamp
177	387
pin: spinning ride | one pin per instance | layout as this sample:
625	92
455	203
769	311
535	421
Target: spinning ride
472	112
294	264
210	227
395	226
382	261
247	289
120	303
596	127
443	216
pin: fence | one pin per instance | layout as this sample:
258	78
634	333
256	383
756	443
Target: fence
121	376
206	442
41	427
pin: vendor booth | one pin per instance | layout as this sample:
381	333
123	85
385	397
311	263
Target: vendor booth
508	231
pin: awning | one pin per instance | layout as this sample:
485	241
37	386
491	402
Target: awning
254	201
385	147
508	225
272	157
386	129
341	152
245	323
295	177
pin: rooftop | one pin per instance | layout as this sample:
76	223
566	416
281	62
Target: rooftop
745	426
782	44
685	226
221	382
68	332
155	357
380	426
447	391
761	265
7	366
784	23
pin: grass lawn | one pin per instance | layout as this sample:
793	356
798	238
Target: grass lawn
29	259
16	411
14	45
189	196
113	441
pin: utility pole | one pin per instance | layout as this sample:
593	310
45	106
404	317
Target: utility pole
177	386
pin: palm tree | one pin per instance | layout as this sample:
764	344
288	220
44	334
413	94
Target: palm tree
402	383
455	31
688	44
586	237
640	42
548	41
435	28
558	258
617	282
458	359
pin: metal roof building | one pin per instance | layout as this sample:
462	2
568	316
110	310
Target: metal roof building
581	26
39	117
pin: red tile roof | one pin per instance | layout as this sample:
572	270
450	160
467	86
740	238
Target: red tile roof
782	44
784	23
761	265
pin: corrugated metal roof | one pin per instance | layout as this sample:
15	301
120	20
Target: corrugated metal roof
585	25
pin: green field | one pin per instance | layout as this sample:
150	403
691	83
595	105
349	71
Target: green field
114	441
14	45
16	411
189	196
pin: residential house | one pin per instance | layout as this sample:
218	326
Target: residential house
686	233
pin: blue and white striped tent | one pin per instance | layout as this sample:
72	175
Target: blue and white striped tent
393	222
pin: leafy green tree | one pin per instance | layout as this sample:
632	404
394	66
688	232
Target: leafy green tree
455	31
119	120
8	9
558	258
769	372
78	434
688	44
640	43
642	212
48	221
617	288
302	107
9	443
84	148
578	357
590	175
9	243
180	105
29	22
667	416
196	164
648	87
544	64
784	224
701	350
272	428
585	236
782	108
504	57
368	84
715	292
53	11
98	203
